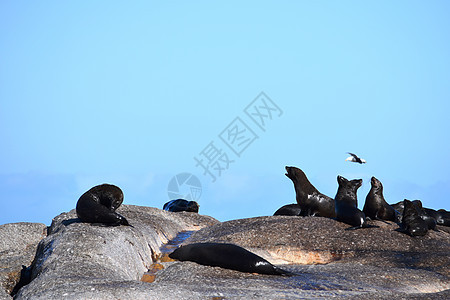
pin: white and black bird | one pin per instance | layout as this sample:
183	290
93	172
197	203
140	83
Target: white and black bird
355	158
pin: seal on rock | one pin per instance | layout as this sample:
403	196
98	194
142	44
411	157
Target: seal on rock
430	216
98	206
430	220
346	203
181	205
227	256
311	201
442	216
375	207
288	210
412	223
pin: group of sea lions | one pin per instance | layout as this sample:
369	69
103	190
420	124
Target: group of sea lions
99	204
413	219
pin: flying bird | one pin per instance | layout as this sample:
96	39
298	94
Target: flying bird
355	158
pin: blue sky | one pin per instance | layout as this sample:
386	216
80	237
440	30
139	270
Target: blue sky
129	93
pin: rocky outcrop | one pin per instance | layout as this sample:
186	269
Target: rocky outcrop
80	261
315	240
18	243
76	260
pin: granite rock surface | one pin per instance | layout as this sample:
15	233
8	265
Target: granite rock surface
18	243
80	261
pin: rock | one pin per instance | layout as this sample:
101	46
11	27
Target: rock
315	240
79	261
76	260
18	243
401	263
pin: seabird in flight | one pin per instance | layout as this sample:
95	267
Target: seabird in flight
355	158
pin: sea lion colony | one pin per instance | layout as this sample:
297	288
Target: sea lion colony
375	208
98	207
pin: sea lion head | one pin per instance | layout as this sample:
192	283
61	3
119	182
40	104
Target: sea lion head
376	184
341	180
301	182
295	174
417	203
353	184
192	206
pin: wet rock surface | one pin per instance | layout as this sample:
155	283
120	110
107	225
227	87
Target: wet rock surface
18	243
79	261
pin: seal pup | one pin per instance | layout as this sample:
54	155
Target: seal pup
288	210
375	207
311	201
181	205
355	158
346	204
227	256
412	223
98	206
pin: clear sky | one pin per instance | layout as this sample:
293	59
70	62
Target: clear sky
132	93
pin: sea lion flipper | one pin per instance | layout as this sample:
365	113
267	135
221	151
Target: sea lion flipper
124	221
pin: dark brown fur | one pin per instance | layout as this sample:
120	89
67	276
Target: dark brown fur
412	223
346	203
375	207
99	204
311	201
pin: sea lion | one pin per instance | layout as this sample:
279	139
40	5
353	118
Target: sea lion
228	256
181	205
375	207
412	223
311	201
399	206
98	205
430	220
431	216
442	216
288	210
346	203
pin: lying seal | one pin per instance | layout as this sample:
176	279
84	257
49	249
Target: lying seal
310	200
442	216
288	210
430	220
226	256
430	216
346	204
181	205
375	207
99	204
412	223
